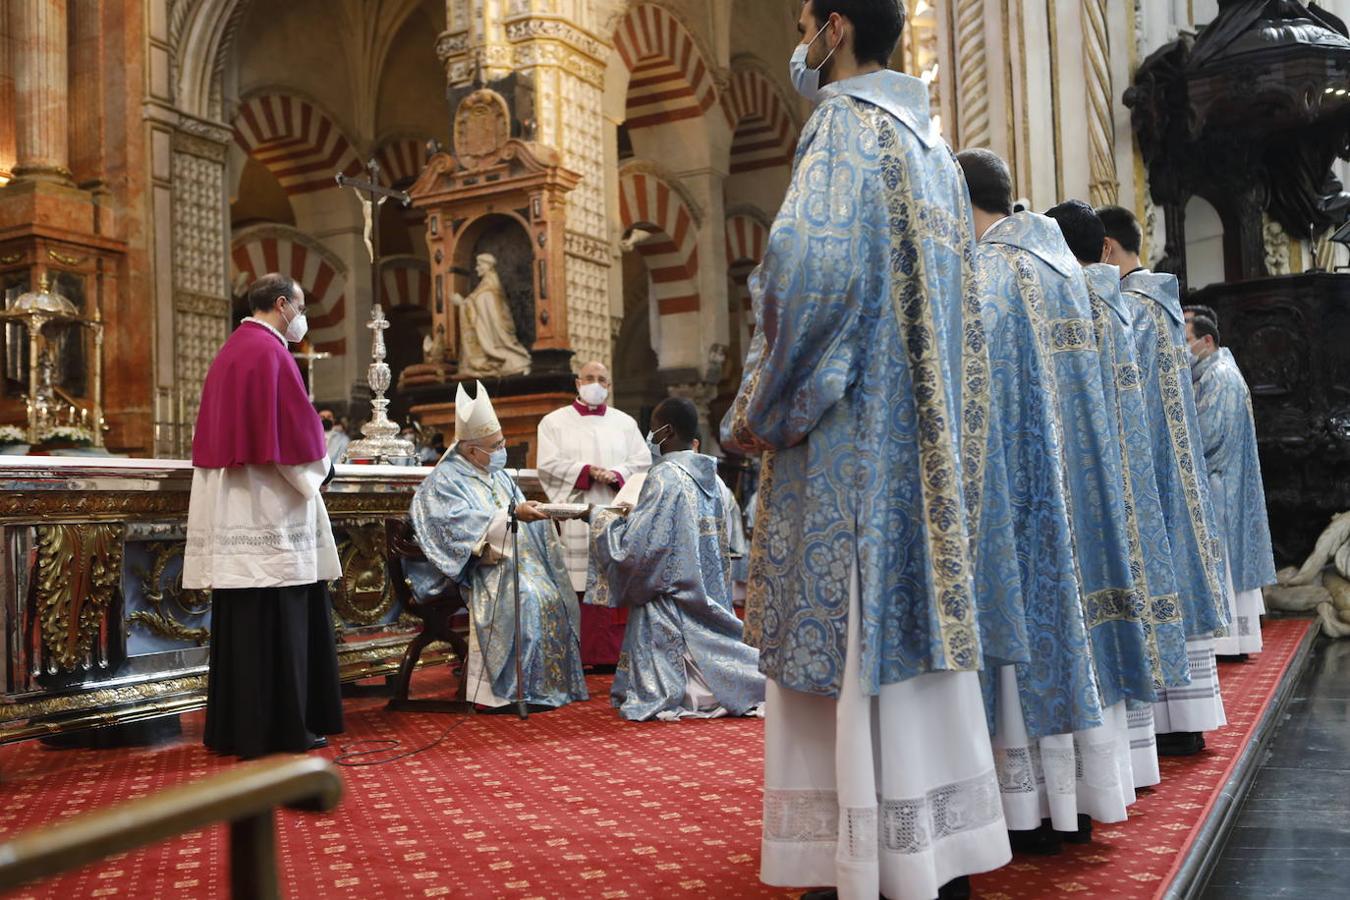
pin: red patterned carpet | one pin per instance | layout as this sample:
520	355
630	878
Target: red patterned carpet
573	803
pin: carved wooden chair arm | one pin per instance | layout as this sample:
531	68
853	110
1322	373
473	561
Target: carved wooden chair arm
244	796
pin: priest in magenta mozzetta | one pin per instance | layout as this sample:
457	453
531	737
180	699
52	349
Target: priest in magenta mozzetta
259	539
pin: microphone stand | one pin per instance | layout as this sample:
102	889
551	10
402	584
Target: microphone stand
522	708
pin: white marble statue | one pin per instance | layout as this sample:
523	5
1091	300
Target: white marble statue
487	331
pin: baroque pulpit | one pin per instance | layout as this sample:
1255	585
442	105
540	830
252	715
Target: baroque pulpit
495	209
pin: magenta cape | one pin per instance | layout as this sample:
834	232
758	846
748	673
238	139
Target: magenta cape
255	409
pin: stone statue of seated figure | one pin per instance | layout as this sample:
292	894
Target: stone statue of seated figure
486	328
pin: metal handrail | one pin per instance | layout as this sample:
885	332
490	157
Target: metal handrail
245	796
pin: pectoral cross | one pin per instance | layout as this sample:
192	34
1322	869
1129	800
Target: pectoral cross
308	357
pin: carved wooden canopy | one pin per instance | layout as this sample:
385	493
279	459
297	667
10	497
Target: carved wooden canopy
493	174
1249	115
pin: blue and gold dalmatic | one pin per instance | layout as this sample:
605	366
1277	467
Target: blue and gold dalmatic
1224	406
1150	552
1154	308
667	562
1031	615
852	388
451	512
1025	253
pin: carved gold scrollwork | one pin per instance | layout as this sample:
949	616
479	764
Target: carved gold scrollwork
65	260
363	595
10	259
79	567
163	597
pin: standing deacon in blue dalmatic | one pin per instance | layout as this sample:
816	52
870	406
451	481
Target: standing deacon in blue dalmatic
460	515
1150	550
1224	406
1084	771
1180	715
878	772
667	562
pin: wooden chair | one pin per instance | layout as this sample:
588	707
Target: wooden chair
245	796
436	612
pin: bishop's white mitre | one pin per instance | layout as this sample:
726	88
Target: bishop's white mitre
474	418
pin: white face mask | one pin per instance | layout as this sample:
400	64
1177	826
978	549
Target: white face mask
805	79
593	394
296	329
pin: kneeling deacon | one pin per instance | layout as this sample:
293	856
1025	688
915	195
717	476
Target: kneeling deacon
461	514
667	562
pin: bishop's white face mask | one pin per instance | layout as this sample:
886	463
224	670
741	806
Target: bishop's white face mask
296	329
593	394
805	79
497	460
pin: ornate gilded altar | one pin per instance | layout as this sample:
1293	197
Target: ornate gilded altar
97	626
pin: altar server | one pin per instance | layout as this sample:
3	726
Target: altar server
1152	299
667	562
878	772
258	538
461	514
586	452
1224	407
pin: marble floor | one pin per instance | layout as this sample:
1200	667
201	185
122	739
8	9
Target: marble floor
1292	836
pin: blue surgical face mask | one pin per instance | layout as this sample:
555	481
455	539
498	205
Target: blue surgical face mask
497	460
805	79
653	444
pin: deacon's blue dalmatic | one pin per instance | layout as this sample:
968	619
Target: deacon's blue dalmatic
1154	308
1224	406
1150	553
451	512
853	388
1031	614
667	562
1025	253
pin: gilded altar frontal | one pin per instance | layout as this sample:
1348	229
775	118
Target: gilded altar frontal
674	448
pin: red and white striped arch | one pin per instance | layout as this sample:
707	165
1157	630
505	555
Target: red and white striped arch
277	248
297	142
402	160
670	80
747	237
646	201
405	281
765	136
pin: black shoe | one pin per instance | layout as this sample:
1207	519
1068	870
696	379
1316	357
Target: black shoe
1042	841
1083	835
1233	657
318	743
1181	743
956	889
823	894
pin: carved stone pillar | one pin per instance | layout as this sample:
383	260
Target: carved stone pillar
972	75
201	300
88	86
1102	187
38	30
6	93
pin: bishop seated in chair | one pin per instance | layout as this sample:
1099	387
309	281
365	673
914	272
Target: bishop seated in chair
667	562
461	514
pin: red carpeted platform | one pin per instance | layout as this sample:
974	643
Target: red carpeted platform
572	803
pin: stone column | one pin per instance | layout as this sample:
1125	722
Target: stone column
38	30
